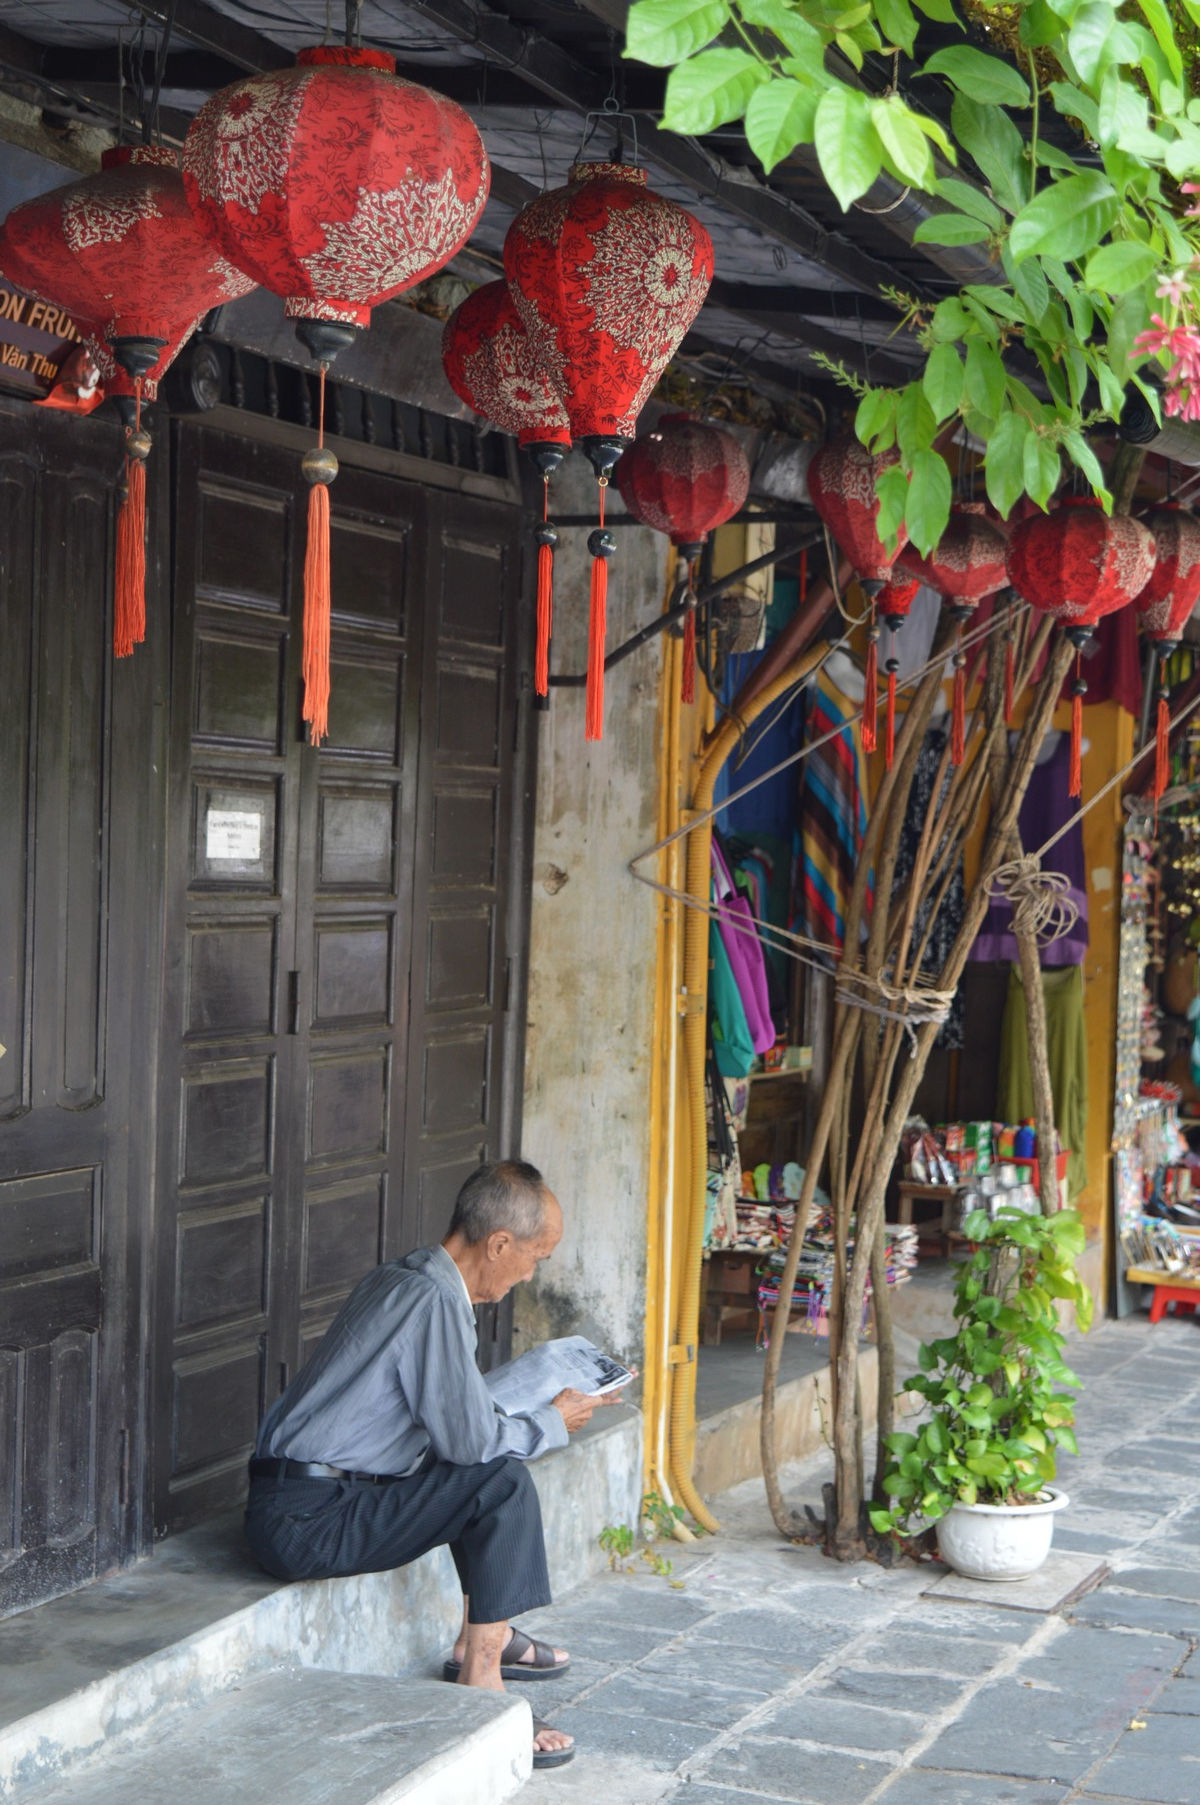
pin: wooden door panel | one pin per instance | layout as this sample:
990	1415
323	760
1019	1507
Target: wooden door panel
354	979
243	542
232	977
222	1264
343	1235
18	516
240	689
356	838
227	1119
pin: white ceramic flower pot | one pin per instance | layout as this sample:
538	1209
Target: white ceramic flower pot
999	1541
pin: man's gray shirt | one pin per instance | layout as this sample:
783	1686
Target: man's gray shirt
395	1376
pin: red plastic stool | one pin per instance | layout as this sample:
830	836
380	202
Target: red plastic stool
1184	1298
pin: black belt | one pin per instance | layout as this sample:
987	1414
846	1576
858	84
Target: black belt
263	1468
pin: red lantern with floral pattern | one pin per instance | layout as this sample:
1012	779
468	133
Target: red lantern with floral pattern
607	277
123	254
685	478
1166	605
490	365
334	184
968	562
1077	565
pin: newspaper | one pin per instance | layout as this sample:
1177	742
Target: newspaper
535	1377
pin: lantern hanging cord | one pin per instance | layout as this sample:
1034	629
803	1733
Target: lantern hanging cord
321	408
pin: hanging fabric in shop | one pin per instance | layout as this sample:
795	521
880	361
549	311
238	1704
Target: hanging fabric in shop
1066	1044
1047	807
950	915
731	1033
744	952
833	814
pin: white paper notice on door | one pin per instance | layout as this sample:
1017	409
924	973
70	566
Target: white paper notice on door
233	834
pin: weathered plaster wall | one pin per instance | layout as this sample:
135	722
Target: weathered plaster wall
586	1121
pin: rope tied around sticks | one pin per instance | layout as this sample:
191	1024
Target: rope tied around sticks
1040	900
912	1005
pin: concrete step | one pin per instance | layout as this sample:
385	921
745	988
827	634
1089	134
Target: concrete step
307	1737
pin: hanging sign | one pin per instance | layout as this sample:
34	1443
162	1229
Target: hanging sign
35	337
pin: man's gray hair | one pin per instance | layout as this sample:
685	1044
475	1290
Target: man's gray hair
507	1194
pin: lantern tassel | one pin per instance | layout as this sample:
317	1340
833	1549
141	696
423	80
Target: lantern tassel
320	466
1078	691
958	720
687	681
870	718
547	540
889	743
1162	749
129	598
1009	678
602	545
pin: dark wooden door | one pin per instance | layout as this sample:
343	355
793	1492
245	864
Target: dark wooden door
78	912
337	926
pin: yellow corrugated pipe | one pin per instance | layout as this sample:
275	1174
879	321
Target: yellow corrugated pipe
694	1003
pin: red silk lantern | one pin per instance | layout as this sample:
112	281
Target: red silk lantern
489	363
121	252
607	277
1077	565
334	184
684	479
968	562
1165	606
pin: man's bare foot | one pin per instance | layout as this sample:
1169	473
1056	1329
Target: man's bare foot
527	1659
547	1739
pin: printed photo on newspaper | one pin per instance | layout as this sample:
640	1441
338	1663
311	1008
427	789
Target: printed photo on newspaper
570	1362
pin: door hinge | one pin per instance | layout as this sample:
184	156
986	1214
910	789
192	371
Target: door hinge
508	965
293	1002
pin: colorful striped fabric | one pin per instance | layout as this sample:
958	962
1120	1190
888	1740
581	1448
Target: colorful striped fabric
833	816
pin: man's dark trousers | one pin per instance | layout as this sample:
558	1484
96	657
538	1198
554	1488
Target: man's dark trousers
488	1516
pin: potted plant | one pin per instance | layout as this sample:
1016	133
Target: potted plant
980	1466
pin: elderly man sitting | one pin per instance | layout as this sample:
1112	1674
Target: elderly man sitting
388	1443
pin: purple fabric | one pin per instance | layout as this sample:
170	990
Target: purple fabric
739	936
1044	810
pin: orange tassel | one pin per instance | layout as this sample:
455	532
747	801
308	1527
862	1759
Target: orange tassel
889	744
687	682
545	618
1075	786
320	467
870	719
129	585
1009	679
597	622
958	719
1162	750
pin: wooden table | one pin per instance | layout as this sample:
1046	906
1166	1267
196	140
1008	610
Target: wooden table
946	1198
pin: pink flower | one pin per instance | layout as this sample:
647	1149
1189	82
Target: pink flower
1173	288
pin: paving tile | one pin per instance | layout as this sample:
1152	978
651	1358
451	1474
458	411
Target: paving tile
723	1663
626	1597
1133	1610
774	1630
953	1617
676	1701
1179	1698
714	1795
1160	1763
839	1724
781	1770
649	1740
1161	1582
600	1639
920	1692
910	1651
925	1788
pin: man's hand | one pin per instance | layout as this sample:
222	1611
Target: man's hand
576	1407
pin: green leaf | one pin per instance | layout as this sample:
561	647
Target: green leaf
988	135
950	228
1082	455
665	32
847	144
926	1358
1097	39
896	1486
1041	469
1116	268
875	420
971	200
1130	316
1075	104
711	89
1004	470
891	486
927	510
941	10
915	424
905	146
788	25
1040	25
943	381
1065	220
985	378
986	78
780	114
996	300
989	1466
896	22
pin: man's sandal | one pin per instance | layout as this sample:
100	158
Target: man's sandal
542	1667
550	1757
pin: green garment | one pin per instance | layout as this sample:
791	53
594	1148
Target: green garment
731	1033
1066	1047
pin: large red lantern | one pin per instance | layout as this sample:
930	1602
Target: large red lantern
335	184
122	253
968	562
842	476
489	363
685	478
1077	565
607	277
1165	606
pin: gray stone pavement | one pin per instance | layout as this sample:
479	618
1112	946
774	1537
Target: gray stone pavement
774	1674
